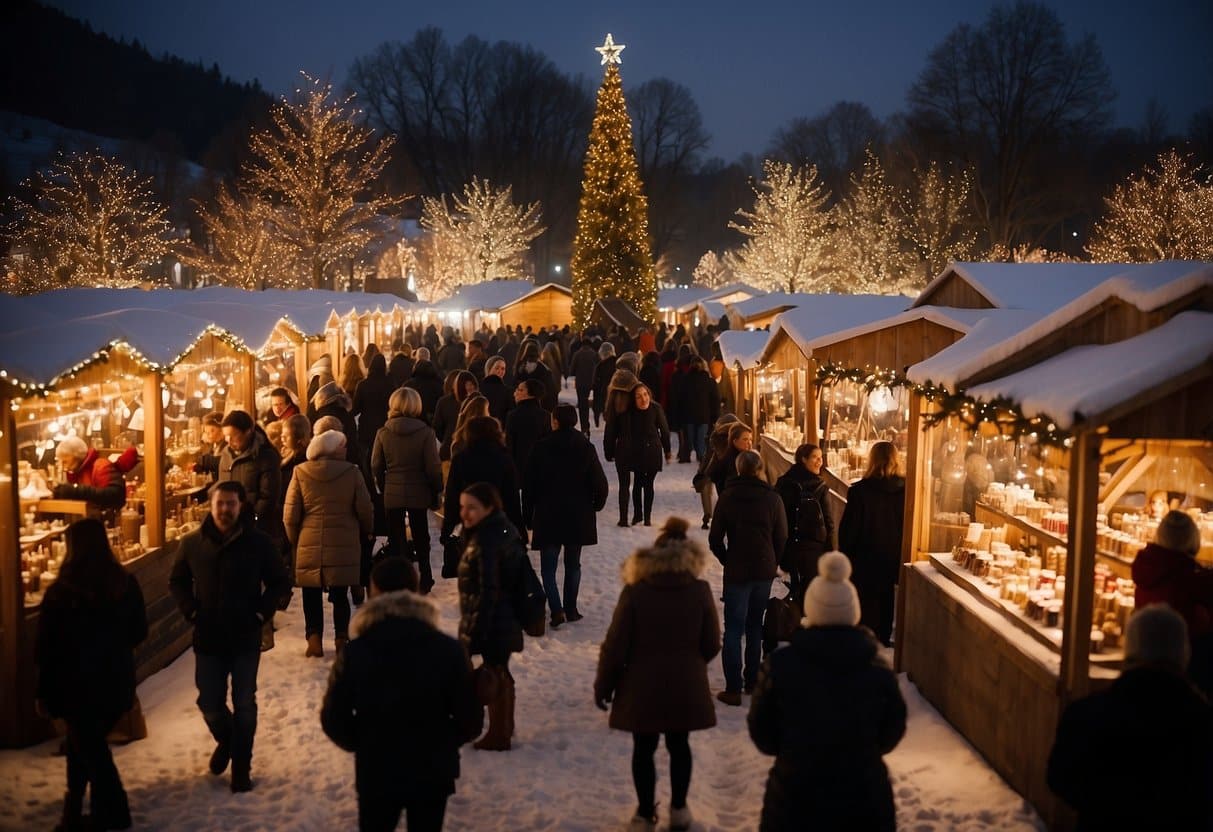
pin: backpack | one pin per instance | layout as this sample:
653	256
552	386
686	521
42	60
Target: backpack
530	601
810	517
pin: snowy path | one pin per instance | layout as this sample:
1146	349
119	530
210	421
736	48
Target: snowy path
567	770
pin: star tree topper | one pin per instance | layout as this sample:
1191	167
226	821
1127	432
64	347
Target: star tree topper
610	51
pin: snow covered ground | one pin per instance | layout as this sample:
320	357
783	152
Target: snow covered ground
567	770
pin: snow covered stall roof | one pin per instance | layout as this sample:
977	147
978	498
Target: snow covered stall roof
1039	286
49	334
831	313
489	296
742	347
723	292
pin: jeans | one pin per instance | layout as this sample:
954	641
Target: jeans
583	407
381	813
232	730
644	772
313	610
419	551
89	761
548	557
744	605
698	435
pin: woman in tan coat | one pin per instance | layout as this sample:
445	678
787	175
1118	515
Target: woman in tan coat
653	664
328	512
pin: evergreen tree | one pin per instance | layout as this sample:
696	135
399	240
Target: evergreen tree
611	252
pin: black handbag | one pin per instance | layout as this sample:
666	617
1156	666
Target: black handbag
780	621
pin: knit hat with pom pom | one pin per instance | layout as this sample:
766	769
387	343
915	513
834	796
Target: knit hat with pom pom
327	445
831	599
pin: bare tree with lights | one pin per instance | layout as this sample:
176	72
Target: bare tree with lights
788	232
487	235
870	251
1164	212
244	247
317	167
89	221
939	224
712	271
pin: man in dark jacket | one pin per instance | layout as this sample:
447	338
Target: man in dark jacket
602	378
700	406
249	458
493	388
749	529
404	726
563	489
452	356
476	358
227	580
581	368
527	423
428	383
677	398
1155	769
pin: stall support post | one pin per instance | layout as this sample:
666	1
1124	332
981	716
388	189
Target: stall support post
12	593
1080	567
915	517
153	459
754	403
812	405
301	365
250	383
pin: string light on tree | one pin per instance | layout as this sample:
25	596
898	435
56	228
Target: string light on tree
612	257
244	249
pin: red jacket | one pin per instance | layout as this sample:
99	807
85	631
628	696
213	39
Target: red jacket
98	481
1165	576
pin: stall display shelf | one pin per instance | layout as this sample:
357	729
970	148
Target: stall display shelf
1025	525
1049	637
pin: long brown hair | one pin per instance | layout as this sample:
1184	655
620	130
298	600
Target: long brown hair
351	373
882	461
474	406
90	571
460	387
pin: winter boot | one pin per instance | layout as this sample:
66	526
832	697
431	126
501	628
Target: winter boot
242	780
315	649
339	643
73	819
507	708
267	635
497	738
680	819
221	756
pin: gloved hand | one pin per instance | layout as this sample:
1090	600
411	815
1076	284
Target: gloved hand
444	539
65	491
603	702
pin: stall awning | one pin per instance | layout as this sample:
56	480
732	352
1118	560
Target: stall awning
620	313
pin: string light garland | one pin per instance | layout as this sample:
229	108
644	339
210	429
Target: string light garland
611	253
869	377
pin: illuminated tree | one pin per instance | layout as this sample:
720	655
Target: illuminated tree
243	247
440	268
612	257
1161	213
88	222
486	234
316	166
788	232
939	224
712	271
870	231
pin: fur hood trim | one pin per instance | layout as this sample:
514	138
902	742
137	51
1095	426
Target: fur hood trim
402	604
675	557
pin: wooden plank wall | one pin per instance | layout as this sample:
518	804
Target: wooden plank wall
168	633
892	348
955	291
542	310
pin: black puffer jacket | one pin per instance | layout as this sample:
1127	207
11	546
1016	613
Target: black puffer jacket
700	399
602	380
828	709
802	551
527	424
638	440
401	697
542	374
488	575
446	416
749	516
870	531
563	488
221	585
85	652
482	461
370	405
724	465
348	426
583	365
501	398
428	384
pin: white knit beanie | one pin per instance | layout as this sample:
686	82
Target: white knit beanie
1178	531
330	444
831	599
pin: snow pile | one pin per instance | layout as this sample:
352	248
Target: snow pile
953	364
567	771
680	296
722	292
771	303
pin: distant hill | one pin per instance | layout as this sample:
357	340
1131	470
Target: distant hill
56	68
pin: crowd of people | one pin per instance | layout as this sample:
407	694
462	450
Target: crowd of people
332	495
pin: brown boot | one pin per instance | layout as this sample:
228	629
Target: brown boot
497	738
315	649
339	643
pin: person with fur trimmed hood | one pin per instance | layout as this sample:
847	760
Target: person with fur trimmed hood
404	727
828	708
653	664
331	400
327	514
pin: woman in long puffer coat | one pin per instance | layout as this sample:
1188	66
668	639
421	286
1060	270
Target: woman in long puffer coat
806	504
328	513
652	666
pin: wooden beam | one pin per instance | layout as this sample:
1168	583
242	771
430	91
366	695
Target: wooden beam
1075	679
12	592
153	460
1126	475
916	516
1143	400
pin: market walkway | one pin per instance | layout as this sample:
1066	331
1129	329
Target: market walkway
566	772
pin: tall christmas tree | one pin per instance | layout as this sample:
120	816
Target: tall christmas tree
611	253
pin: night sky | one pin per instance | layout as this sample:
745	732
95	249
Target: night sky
751	66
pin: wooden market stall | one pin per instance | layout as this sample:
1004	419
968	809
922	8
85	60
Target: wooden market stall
1047	459
539	309
760	312
477	305
707	308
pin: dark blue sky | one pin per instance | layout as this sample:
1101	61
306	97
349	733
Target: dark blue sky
752	65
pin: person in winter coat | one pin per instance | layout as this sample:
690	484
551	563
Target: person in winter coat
724	466
806	505
318	375
227	580
828	708
446	412
528	422
282	406
650	371
718	445
474	406
452	356
582	368
603	370
493	388
332	400
407	472
351	374
250	459
91	620
400	370
1162	745
371	403
476	358
212	445
90	476
1166	572
700	406
749	530
531	368
328	513
563	488
646	443
677	398
653	665
485	459
428	384
870	534
489	570
404	727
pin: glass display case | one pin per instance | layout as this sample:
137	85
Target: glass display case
781	406
853	416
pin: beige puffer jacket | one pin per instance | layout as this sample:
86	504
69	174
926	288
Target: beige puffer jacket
328	512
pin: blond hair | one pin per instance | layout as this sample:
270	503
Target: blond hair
882	461
404	402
